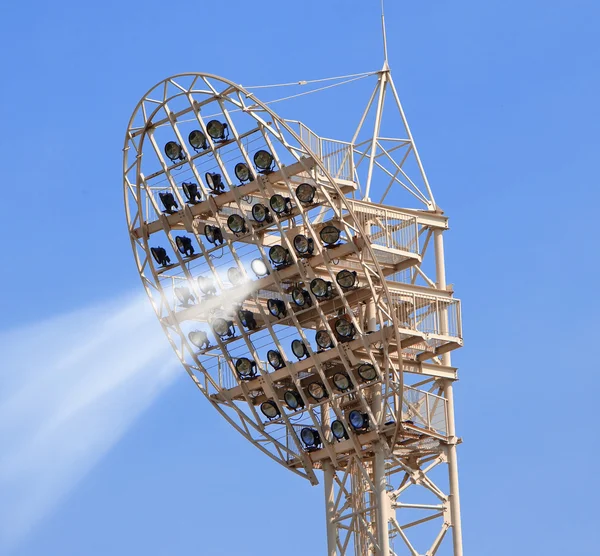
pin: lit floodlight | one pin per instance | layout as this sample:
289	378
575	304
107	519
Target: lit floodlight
276	308
174	151
184	295
199	338
198	140
184	244
293	400
213	234
217	130
279	256
263	160
358	421
168	202
303	245
270	409
242	172
207	285
261	214
321	288
305	193
235	276
317	391
275	360
299	349
246	369
280	204
342	381
338	430
247	319
259	268
214	182
344	329
323	339
367	372
311	438
329	235
237	224
160	255
191	192
223	328
346	279
301	298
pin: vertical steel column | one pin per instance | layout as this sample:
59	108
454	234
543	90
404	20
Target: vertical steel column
328	474
383	501
440	269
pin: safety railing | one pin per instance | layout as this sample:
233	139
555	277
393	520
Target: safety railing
425	410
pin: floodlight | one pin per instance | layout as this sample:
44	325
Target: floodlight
242	172
259	268
317	391
329	235
237	224
358	421
184	295
299	349
217	130
168	202
270	409
191	192
263	160
160	256
261	214
346	279
305	193
280	204
311	438
235	276
213	234
320	288
276	308
247	319
293	400
342	381
184	244
199	338
338	430
246	369
275	360
279	256
323	339
174	151
344	329
303	245
223	328
198	140
301	298
367	372
207	285
214	182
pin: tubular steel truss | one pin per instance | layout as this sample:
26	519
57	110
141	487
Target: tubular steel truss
383	487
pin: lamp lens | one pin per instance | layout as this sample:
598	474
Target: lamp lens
207	285
215	129
259	212
197	139
319	287
329	235
305	193
198	338
367	372
173	150
259	268
221	327
323	339
244	366
316	390
263	160
342	381
236	224
346	279
299	297
235	276
182	293
298	348
291	399
338	430
276	307
278	203
344	328
357	419
274	359
270	409
278	254
301	244
309	436
242	171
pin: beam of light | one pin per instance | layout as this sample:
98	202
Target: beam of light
71	387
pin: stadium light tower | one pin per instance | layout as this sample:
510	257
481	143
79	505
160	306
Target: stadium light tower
315	318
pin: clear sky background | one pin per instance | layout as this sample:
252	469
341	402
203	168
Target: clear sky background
502	98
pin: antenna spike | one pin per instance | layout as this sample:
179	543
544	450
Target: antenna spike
385	52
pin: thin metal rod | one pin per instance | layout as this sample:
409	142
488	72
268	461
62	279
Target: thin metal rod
380	102
328	473
385	51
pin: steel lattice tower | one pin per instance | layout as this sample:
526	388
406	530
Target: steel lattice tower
314	317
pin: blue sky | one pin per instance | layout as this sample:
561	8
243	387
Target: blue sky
502	101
